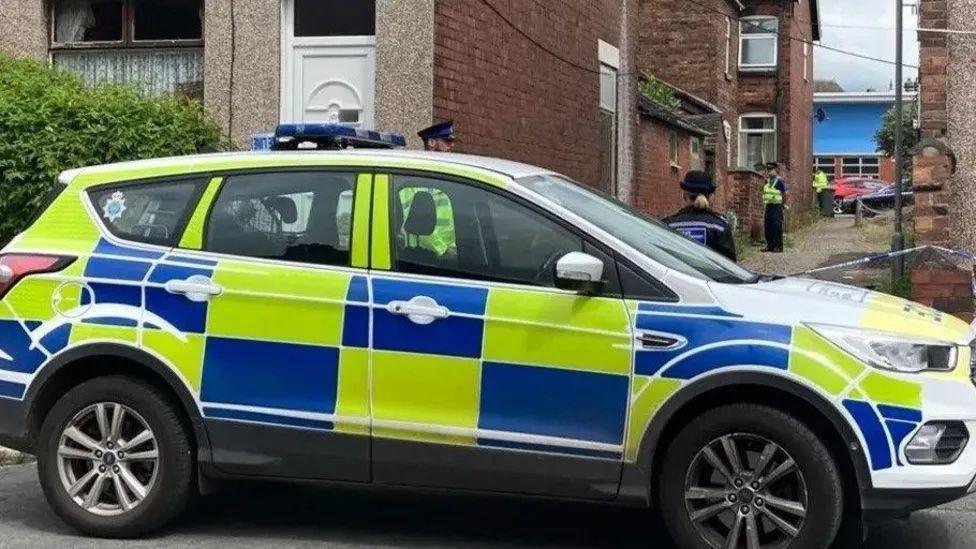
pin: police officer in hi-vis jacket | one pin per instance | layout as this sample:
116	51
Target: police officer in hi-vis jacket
774	197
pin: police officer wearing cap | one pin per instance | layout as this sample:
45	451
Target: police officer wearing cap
697	221
774	197
439	137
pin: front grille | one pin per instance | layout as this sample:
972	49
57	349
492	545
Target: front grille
952	443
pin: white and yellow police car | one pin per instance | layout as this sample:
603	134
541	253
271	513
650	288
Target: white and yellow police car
412	319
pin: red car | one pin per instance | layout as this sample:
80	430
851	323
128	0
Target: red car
849	187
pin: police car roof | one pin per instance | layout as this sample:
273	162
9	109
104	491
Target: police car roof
224	161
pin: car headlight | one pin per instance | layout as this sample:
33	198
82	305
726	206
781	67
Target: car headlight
895	352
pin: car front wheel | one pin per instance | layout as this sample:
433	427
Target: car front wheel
752	477
114	459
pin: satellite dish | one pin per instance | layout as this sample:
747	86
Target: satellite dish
821	116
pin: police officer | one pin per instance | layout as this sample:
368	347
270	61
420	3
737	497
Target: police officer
439	137
819	184
697	221
774	196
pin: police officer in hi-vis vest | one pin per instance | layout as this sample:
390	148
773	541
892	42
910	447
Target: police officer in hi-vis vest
774	196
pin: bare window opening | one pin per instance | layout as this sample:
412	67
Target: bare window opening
80	21
168	20
335	18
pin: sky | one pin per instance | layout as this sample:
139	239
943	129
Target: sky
859	74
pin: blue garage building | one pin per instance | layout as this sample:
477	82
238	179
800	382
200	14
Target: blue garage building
843	144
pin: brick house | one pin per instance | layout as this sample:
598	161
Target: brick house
753	60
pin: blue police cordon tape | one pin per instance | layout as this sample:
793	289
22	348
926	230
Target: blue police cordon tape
888	255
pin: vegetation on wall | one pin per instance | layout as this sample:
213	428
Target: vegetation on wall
657	90
50	122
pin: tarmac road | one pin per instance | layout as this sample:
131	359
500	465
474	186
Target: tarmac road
258	515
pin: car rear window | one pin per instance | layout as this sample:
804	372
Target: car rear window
153	213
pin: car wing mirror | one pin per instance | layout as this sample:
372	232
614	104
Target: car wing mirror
579	272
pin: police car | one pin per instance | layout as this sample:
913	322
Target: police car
411	319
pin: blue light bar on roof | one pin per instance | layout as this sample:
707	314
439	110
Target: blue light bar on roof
333	136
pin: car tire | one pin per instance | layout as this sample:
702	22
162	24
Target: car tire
118	511
814	483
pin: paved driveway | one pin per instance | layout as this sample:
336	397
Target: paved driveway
284	517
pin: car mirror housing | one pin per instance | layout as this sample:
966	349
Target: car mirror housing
579	272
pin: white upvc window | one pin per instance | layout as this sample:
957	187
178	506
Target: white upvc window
757	139
758	42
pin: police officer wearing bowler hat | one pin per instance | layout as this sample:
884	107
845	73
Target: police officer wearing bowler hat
439	137
698	221
774	197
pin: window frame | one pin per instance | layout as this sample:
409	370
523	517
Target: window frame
674	149
696	147
610	270
728	46
128	40
202	179
774	36
742	132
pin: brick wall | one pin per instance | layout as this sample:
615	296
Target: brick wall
657	188
745	192
510	98
933	50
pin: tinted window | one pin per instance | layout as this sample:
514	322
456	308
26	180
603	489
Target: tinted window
452	229
153	213
335	17
293	216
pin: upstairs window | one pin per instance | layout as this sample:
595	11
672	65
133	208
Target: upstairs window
758	42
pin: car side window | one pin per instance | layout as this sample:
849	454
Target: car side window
452	229
153	213
292	216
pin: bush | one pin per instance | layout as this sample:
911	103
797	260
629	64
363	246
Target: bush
50	122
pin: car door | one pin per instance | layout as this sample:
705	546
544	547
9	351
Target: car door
284	369
484	375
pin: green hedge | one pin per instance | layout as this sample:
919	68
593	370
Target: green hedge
50	122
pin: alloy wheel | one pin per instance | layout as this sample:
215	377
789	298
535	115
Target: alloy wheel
108	459
744	490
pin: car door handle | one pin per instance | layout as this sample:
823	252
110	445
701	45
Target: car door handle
420	310
197	288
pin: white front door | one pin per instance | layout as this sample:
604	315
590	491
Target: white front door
328	61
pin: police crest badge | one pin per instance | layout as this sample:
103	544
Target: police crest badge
114	206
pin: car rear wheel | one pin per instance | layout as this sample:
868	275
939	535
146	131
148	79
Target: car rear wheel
114	459
838	206
752	477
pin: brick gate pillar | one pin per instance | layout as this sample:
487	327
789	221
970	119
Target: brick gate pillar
936	281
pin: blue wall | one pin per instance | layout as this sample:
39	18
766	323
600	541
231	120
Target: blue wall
850	128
